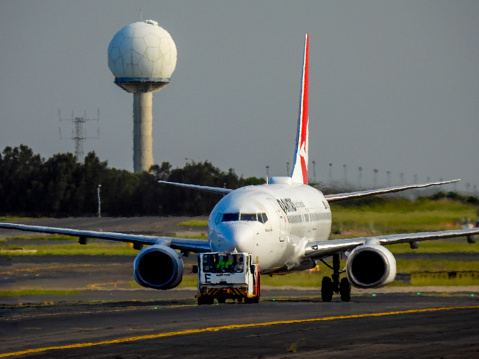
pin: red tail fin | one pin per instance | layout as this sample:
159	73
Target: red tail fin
299	173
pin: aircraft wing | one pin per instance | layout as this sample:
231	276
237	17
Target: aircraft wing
352	195
183	244
202	188
320	249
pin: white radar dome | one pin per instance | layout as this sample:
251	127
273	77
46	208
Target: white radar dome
142	52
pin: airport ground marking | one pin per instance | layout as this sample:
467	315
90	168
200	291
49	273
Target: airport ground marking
231	326
147	307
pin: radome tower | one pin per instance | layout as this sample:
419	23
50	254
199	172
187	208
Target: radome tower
142	57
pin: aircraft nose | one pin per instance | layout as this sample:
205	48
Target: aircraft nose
239	236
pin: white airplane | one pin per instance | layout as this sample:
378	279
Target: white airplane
285	224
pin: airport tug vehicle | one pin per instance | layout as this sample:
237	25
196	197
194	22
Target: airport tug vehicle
225	275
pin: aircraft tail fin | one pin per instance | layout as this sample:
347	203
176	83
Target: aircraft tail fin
299	174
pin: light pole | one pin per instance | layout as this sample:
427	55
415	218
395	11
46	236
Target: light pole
314	171
360	169
267	174
98	192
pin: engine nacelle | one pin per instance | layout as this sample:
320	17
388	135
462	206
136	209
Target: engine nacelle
370	266
158	267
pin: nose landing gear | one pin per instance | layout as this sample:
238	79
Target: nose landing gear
329	287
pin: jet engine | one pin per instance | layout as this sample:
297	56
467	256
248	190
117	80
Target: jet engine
158	267
370	266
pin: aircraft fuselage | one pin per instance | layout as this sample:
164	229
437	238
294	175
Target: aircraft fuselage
273	222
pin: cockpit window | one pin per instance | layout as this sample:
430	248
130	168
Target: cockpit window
262	217
251	217
248	217
229	217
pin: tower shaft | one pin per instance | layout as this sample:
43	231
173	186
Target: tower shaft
142	131
142	57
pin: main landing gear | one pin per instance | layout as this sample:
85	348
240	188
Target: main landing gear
329	287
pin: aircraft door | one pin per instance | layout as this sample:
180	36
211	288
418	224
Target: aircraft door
281	217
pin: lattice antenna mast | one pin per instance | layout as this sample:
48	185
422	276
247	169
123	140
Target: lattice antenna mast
79	132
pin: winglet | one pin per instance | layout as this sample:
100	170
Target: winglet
299	173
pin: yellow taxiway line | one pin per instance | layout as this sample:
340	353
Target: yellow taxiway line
227	327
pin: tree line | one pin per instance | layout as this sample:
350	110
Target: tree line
61	186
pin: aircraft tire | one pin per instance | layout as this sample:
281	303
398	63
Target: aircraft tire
221	299
345	290
326	289
205	300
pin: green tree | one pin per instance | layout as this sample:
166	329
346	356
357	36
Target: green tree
19	185
58	175
60	186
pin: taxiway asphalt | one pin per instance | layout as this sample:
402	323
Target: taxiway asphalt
389	325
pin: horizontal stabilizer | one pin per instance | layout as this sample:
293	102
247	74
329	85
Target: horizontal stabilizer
198	187
352	195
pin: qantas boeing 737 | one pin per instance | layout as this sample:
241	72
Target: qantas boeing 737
285	224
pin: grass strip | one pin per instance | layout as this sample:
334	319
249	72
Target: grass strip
45	237
102	248
402	215
438	246
194	223
36	291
